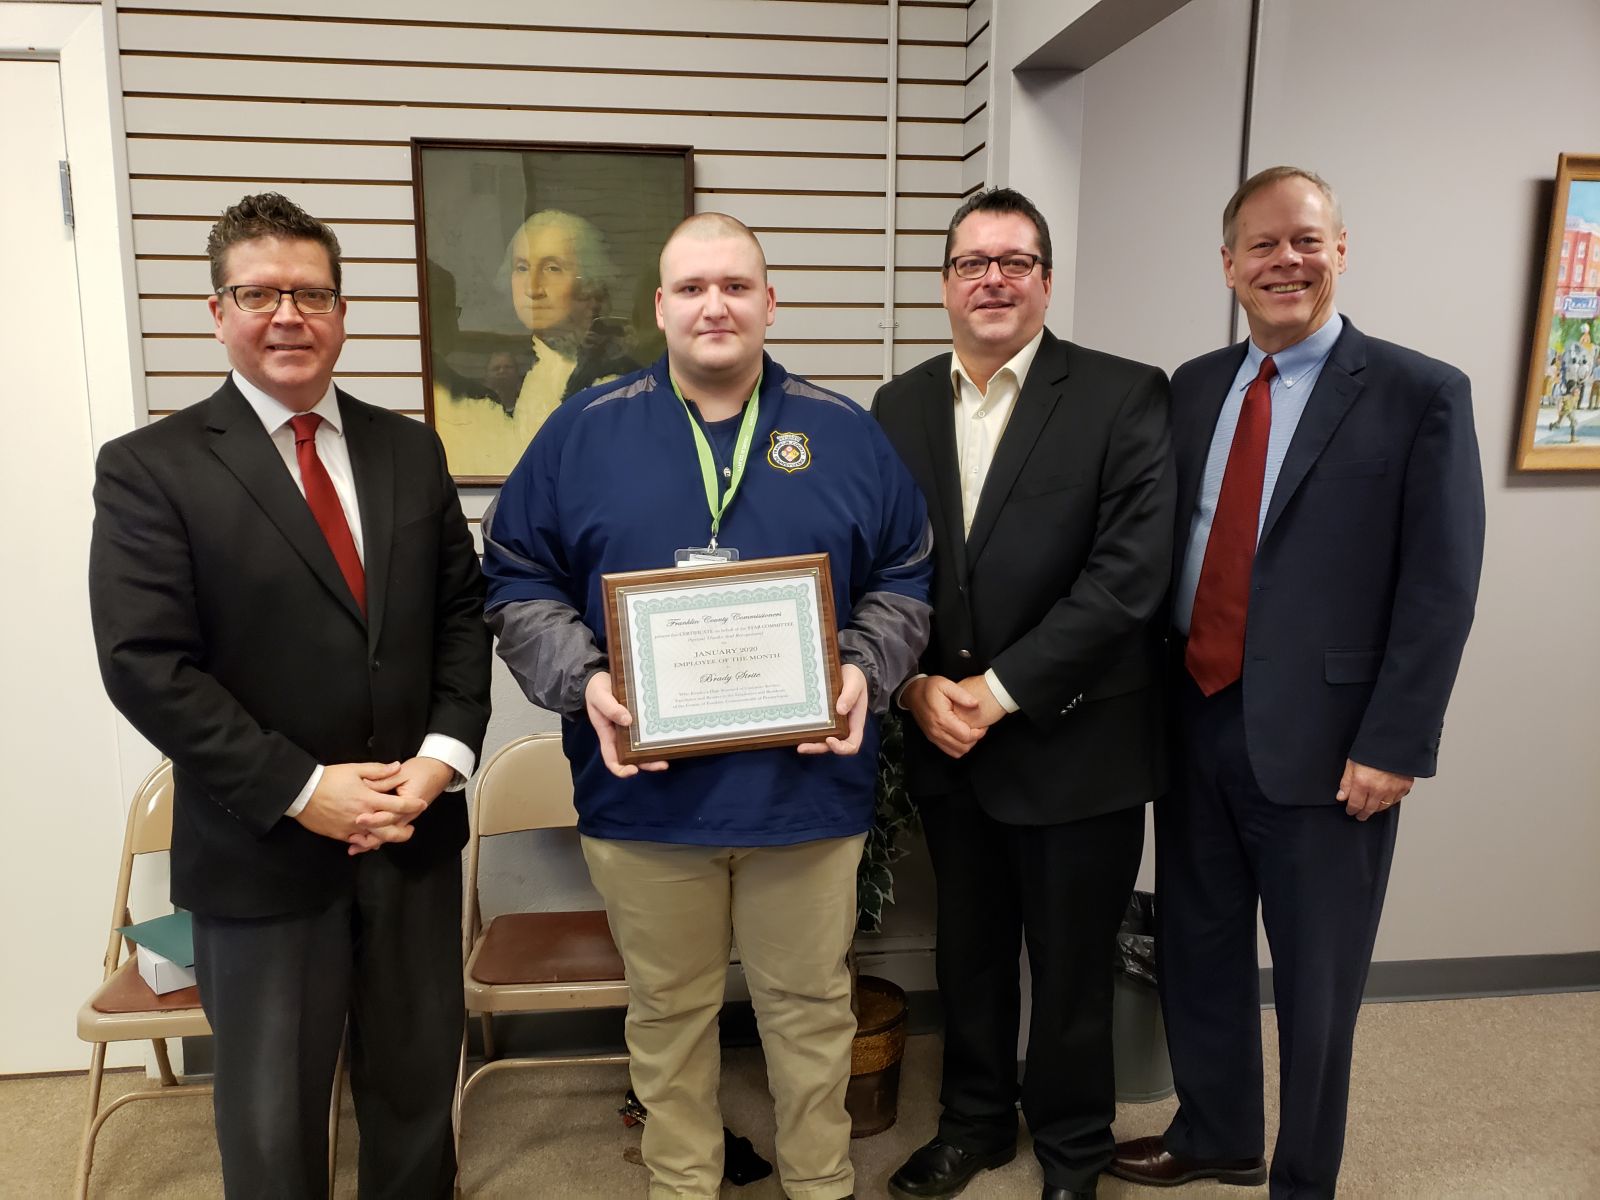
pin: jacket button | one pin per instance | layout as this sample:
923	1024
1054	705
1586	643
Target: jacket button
371	742
963	653
376	664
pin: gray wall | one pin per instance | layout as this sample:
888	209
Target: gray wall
1154	173
1440	127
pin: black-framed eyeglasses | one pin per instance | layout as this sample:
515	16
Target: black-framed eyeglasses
1012	266
259	298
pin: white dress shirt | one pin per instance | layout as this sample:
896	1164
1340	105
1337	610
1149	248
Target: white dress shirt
335	455
981	416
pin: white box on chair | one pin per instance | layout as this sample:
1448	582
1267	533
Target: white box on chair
165	951
161	973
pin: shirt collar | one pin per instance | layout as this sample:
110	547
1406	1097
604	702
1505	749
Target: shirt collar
275	414
1018	364
1294	361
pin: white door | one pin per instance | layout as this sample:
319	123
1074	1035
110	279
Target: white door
60	815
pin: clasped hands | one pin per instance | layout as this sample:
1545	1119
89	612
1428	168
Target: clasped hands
609	718
953	716
368	805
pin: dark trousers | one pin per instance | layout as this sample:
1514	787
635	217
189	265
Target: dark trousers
1320	876
1064	889
278	990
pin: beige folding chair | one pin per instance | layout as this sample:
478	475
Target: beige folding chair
530	962
124	1009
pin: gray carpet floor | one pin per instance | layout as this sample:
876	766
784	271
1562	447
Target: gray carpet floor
1461	1098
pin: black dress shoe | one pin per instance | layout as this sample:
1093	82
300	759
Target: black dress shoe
1060	1193
1146	1160
940	1170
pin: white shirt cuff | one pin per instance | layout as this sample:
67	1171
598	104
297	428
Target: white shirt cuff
999	690
452	754
304	798
901	690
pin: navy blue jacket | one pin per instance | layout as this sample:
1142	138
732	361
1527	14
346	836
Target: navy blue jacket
1366	572
612	483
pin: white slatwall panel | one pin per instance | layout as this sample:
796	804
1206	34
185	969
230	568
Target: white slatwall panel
775	20
977	70
638	53
783	101
189	156
336	202
295	120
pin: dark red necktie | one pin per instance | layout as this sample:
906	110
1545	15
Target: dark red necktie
1215	656
325	506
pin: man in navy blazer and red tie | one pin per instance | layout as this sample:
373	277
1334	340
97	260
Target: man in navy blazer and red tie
287	603
1329	539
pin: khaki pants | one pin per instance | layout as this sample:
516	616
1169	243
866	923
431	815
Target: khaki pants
792	910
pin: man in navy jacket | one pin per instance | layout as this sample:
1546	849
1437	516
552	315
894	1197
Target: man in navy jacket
1329	540
761	845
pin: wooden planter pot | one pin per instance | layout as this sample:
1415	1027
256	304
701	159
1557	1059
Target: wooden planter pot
880	1042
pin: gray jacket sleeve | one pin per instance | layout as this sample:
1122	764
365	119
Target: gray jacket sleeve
886	636
549	650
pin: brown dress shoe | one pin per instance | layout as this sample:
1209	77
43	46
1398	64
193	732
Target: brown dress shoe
1146	1160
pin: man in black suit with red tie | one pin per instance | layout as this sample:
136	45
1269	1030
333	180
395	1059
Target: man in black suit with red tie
1329	539
1036	732
287	603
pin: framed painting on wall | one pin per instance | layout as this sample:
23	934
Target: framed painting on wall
1561	411
537	271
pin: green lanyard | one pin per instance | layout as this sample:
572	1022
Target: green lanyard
708	466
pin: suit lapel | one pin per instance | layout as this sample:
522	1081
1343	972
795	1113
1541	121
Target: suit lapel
240	440
939	422
372	464
1040	392
1336	390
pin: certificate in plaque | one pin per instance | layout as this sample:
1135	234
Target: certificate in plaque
736	656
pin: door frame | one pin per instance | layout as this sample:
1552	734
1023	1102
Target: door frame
82	38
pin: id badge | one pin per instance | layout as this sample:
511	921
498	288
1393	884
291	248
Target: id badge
705	556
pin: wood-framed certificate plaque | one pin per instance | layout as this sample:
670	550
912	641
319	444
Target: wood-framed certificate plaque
733	656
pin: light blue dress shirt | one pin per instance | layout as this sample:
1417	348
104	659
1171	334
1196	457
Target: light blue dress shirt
1298	369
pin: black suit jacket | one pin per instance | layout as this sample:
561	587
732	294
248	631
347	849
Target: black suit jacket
1056	585
1366	573
228	637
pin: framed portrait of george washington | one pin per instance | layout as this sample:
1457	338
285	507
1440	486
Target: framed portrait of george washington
1561	410
536	272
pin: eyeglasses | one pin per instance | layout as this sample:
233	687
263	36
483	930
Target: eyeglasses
258	298
1012	266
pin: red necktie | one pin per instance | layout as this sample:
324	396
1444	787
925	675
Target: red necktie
325	506
1215	656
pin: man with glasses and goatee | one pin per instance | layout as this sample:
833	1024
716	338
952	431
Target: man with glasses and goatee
287	603
1035	738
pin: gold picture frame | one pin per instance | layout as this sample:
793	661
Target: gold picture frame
536	272
1560	428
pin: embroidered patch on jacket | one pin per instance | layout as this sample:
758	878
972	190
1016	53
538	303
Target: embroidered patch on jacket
790	452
